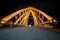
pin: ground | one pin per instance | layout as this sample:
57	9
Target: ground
28	33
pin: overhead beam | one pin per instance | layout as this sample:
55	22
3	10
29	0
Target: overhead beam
7	18
38	17
24	19
35	18
20	17
43	13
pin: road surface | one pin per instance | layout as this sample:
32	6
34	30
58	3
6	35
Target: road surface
28	33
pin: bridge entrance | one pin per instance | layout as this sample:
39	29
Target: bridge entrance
30	20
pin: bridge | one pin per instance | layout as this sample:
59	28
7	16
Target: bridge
29	16
27	22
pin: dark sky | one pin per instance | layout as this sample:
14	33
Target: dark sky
49	6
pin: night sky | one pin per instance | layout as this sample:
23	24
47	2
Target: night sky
50	7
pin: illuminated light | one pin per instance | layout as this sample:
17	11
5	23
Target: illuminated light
55	20
3	22
45	25
23	19
29	25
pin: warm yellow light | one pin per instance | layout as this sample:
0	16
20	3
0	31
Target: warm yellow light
25	15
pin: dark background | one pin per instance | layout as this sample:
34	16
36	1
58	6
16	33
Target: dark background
50	7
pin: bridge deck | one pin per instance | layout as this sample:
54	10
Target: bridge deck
28	33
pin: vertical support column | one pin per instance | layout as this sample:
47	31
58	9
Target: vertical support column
16	17
20	18
38	18
39	14
25	20
22	12
35	21
35	18
20	15
43	18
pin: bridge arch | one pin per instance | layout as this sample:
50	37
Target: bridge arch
28	16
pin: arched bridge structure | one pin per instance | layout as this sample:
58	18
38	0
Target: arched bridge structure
29	16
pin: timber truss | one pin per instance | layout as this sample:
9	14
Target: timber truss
21	17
